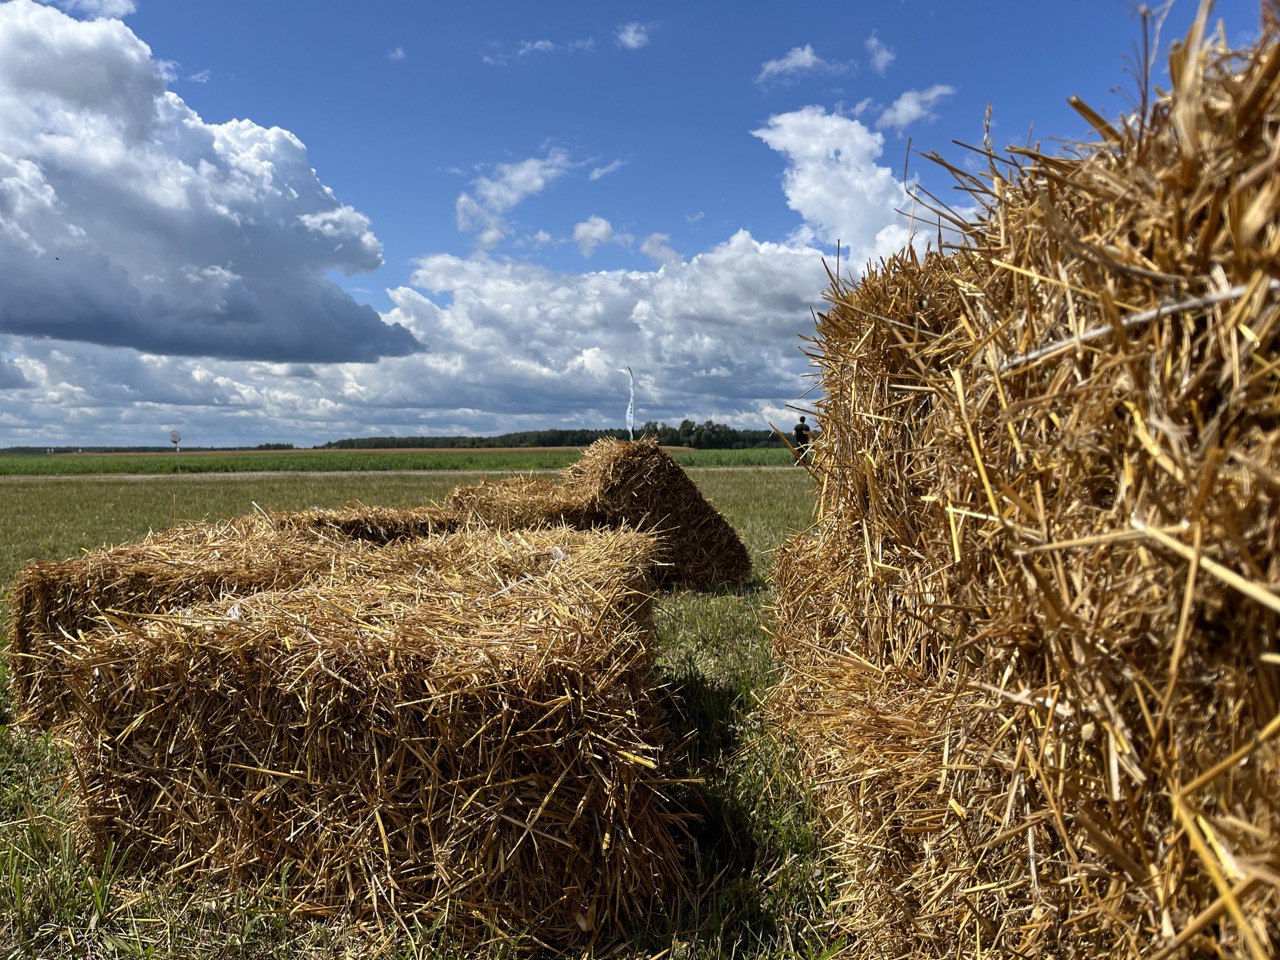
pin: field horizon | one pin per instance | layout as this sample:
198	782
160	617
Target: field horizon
487	459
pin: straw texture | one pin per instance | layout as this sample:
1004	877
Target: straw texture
623	483
473	739
53	602
617	483
1030	646
372	524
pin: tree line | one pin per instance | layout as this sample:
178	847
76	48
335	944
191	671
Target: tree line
701	436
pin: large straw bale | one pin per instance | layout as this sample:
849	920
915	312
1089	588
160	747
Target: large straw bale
461	740
1031	648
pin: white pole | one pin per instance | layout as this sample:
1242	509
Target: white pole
631	404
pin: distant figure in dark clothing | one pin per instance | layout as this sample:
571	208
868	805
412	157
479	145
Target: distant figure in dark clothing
801	433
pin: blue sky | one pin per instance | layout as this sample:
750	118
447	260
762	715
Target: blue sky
257	224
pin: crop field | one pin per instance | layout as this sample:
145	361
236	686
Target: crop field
313	461
755	852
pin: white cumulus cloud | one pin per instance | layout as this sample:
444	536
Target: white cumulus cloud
657	247
396	54
835	181
592	232
518	346
633	36
127	220
912	106
714	334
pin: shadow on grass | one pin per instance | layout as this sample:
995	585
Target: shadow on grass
753	851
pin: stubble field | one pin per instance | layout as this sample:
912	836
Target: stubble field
347	461
755	859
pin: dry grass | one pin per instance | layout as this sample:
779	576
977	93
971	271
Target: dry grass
1031	646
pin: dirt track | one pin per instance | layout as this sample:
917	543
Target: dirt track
230	475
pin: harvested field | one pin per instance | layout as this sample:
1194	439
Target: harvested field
1030	648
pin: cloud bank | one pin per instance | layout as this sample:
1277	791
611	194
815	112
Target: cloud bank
126	220
157	271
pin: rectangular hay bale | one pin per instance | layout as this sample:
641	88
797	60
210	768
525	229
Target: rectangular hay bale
1031	656
473	741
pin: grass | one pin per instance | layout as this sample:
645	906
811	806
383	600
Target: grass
312	461
760	882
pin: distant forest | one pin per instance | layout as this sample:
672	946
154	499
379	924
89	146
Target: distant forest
701	436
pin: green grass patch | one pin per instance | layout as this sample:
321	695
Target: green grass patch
315	461
761	886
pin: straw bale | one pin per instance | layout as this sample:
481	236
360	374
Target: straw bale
479	746
622	483
616	483
636	483
53	603
1030	650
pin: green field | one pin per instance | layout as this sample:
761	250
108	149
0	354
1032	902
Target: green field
758	873
313	461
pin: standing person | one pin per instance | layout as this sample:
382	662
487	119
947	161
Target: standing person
801	433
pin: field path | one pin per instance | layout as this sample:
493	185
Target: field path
249	474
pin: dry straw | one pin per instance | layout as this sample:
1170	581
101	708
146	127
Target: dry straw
53	602
467	732
616	483
1031	646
